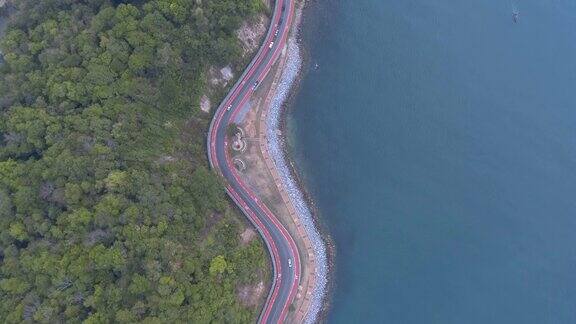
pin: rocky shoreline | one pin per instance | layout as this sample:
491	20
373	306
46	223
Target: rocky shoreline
297	177
277	150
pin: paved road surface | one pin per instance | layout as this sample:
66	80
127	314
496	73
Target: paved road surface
285	257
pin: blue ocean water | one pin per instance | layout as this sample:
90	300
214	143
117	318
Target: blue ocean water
438	138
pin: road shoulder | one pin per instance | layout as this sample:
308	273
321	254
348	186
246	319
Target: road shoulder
261	174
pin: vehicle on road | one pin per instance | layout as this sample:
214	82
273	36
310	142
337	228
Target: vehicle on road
281	245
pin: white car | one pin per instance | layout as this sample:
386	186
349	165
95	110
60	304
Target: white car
271	44
229	107
289	263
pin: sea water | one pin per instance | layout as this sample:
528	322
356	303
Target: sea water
438	139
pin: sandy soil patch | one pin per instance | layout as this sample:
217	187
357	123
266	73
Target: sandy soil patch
250	295
220	77
205	104
226	73
247	236
250	34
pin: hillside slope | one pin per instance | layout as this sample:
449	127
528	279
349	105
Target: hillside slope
107	209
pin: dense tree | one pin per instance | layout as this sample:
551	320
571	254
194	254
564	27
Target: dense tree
108	211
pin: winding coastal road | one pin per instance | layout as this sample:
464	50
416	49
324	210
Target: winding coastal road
282	248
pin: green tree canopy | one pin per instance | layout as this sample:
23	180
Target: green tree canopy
108	211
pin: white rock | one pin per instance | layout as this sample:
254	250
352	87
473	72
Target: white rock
205	104
289	74
226	73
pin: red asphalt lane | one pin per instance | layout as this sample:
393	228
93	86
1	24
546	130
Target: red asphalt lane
246	209
272	244
277	262
246	77
270	215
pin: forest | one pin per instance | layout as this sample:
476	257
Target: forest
108	210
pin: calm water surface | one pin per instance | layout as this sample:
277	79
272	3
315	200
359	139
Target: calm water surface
438	138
